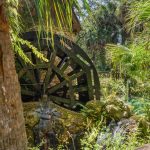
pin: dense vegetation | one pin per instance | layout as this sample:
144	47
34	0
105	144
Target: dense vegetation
116	36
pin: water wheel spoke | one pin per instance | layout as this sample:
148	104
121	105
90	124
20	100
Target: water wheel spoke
52	71
61	63
60	85
48	76
78	51
66	65
90	86
58	71
71	93
71	55
82	88
21	72
74	76
60	99
36	70
56	87
27	92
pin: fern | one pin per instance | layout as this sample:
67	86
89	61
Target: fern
17	42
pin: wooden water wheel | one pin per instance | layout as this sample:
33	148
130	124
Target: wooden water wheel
69	78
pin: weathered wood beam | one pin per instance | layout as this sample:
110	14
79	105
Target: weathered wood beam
80	88
49	71
37	66
27	92
59	99
57	70
21	73
56	87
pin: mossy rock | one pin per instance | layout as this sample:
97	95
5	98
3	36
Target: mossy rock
116	108
69	125
93	109
113	108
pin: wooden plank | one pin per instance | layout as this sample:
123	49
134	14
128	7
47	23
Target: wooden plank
57	70
36	70
53	72
65	66
60	85
37	66
59	99
78	50
74	76
71	93
96	84
21	73
27	92
90	86
56	87
80	88
60	66
70	54
49	71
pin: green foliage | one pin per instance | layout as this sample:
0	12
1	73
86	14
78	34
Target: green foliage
133	61
112	87
101	26
119	142
139	13
18	42
16	26
89	139
141	106
111	108
38	147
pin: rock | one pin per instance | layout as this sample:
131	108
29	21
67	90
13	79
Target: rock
144	147
67	127
63	125
117	131
112	109
93	109
126	126
116	108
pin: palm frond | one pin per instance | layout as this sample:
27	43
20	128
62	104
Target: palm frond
50	14
19	42
139	13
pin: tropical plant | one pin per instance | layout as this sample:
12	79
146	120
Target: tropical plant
98	138
132	60
102	26
138	15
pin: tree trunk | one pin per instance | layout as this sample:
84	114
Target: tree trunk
12	127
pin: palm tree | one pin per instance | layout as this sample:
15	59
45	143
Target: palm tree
12	128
